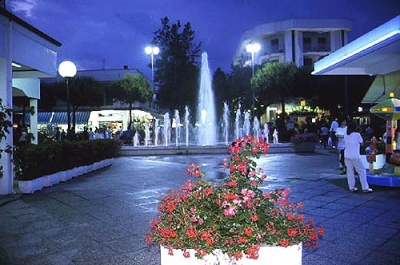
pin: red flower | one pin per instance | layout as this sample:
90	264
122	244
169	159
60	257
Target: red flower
254	218
191	232
208	192
238	255
283	242
186	254
248	231
292	232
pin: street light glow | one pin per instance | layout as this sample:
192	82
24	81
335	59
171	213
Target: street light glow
253	47
152	50
67	69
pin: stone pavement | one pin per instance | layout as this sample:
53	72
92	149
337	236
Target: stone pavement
101	218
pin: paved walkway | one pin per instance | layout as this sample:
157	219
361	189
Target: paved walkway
101	218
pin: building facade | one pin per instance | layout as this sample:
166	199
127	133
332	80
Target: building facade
299	41
111	114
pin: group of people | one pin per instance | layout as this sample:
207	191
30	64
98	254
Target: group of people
347	141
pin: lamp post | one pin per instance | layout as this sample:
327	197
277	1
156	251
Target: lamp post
253	48
67	69
152	50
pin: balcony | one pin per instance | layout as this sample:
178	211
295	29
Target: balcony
316	48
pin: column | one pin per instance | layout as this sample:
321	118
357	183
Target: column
6	182
34	120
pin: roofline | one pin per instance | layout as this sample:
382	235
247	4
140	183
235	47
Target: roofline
28	26
367	43
298	24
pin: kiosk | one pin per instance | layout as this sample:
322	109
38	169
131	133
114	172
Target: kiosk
389	110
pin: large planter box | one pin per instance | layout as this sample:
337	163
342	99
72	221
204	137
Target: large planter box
268	255
30	186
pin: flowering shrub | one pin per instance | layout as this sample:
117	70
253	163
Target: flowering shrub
233	216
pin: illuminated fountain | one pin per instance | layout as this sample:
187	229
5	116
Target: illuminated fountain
177	127
226	122
187	122
206	120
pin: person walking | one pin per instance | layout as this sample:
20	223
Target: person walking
340	133
353	141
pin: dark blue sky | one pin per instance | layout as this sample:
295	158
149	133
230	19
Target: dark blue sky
116	31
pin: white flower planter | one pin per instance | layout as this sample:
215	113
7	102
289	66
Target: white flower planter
291	255
30	186
68	174
53	179
378	164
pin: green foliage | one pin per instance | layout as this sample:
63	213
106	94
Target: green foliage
132	88
5	125
176	67
275	81
60	156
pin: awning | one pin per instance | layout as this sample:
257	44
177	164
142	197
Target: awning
82	117
381	87
375	53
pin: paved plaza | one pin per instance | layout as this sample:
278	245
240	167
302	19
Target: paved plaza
101	218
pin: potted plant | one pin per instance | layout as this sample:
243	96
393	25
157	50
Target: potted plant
304	143
232	220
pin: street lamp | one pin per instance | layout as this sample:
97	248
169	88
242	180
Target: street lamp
67	69
152	50
253	48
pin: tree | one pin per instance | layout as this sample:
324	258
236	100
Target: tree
275	81
84	91
131	89
240	87
176	74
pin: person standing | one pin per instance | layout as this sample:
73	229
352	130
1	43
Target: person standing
340	133
91	134
86	135
324	135
353	141
334	126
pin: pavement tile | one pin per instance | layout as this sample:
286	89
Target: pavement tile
101	218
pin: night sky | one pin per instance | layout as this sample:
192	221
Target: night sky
113	33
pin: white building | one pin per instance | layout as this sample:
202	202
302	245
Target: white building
301	41
26	54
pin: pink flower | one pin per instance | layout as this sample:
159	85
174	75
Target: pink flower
231	211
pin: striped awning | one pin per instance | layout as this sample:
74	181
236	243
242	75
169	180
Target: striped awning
82	117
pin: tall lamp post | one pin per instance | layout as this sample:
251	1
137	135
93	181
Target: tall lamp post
67	70
152	50
253	48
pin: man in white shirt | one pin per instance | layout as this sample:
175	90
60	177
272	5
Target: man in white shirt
353	140
340	133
